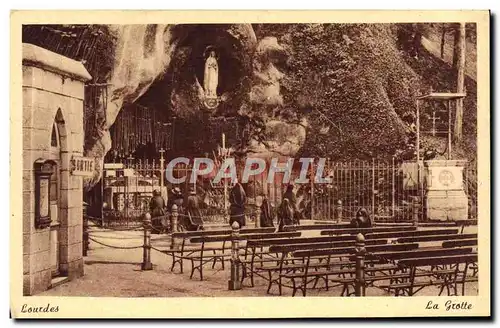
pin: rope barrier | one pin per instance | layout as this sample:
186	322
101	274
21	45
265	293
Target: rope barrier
117	247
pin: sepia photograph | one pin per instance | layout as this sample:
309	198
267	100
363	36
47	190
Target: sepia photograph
313	162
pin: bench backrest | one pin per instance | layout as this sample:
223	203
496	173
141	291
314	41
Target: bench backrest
418	253
467	222
189	234
325	245
366	230
436	238
301	240
415	233
317	226
438	260
210	239
352	250
459	243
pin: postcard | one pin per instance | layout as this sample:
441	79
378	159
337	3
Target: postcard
250	164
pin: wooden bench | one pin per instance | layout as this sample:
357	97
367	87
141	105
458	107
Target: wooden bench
323	258
252	255
404	276
375	262
199	256
460	223
186	235
430	252
346	266
459	243
316	226
463	243
436	276
366	230
415	233
418	239
251	246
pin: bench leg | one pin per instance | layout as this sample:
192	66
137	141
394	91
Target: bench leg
215	260
270	282
344	291
243	272
192	269
294	291
173	262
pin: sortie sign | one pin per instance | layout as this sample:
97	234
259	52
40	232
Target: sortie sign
82	166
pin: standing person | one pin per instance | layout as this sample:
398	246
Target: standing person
175	198
237	201
285	214
292	200
193	220
158	210
266	214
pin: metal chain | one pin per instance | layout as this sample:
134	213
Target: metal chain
117	247
95	220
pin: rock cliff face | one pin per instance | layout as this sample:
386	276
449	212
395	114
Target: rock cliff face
168	60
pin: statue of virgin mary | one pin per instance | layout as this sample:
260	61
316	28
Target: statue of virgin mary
211	77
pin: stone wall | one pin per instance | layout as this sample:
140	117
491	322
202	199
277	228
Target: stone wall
53	91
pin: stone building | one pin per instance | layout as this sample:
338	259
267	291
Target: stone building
53	166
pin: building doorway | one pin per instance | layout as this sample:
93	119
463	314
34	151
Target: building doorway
55	243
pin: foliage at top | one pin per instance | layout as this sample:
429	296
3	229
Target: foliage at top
353	85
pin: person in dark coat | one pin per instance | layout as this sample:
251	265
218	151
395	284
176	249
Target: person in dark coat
266	214
292	200
362	219
176	198
285	214
193	219
158	210
237	201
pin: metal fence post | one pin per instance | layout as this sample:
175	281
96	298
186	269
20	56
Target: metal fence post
257	216
415	211
173	225
339	211
359	284
162	173
235	282
146	255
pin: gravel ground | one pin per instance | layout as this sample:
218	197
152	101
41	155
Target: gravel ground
114	272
